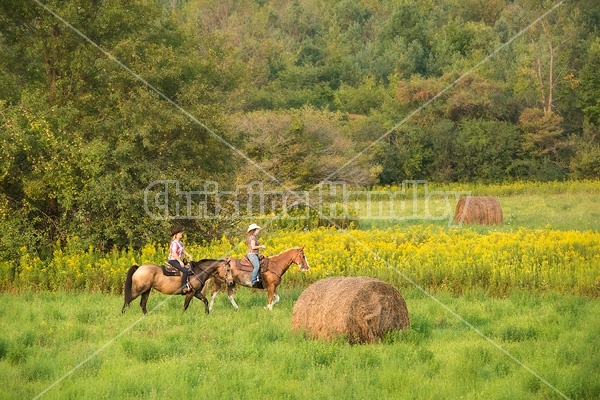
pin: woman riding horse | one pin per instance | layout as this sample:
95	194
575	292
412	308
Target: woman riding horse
276	266
253	248
176	250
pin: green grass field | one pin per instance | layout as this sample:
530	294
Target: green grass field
562	206
74	346
517	345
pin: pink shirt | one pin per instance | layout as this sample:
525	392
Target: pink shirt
175	249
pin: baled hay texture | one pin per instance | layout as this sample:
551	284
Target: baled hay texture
478	210
362	308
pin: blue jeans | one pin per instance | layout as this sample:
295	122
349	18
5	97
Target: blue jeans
254	260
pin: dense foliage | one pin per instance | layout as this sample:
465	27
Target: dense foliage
288	92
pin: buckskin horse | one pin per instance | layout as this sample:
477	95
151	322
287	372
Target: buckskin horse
141	279
271	270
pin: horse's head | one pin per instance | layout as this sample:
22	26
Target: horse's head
300	259
225	272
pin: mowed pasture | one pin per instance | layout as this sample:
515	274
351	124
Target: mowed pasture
507	311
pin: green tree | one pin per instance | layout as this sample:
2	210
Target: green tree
484	150
543	133
92	136
585	163
589	84
299	148
361	100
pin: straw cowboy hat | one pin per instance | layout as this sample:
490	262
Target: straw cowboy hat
252	227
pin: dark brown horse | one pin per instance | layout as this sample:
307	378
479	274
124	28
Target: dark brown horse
141	279
271	275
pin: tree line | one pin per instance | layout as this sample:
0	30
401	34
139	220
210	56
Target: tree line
287	92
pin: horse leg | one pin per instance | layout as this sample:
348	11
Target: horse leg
206	287
129	294
127	302
188	299
200	296
214	293
212	300
144	300
275	297
230	291
271	294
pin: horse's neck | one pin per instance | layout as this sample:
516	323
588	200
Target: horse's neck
281	262
197	268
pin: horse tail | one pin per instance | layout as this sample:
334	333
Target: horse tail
128	283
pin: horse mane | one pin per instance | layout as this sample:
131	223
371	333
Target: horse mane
196	264
288	250
206	259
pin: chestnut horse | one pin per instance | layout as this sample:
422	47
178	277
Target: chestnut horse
276	266
141	279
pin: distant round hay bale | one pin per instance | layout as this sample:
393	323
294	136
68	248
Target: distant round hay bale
478	210
362	308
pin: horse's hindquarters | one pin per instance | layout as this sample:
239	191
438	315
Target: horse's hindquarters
150	276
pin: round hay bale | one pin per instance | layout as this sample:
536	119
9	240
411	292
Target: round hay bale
478	210
362	308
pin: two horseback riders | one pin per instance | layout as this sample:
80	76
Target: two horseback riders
177	250
141	279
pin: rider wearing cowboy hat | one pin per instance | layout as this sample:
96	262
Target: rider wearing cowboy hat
176	250
253	248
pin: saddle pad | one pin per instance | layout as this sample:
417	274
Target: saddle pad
170	271
245	265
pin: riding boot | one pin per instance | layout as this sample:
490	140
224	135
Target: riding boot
185	284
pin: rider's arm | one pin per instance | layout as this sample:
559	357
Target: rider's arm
175	254
178	258
253	245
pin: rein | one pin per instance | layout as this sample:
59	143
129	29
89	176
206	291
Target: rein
198	272
270	270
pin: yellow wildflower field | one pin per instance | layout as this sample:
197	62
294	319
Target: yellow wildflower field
430	257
